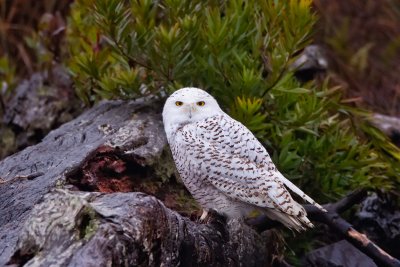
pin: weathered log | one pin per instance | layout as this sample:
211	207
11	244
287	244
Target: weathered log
67	227
72	228
28	175
128	229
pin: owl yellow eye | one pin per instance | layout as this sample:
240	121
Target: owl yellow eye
178	103
201	103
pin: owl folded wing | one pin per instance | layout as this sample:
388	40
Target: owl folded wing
242	180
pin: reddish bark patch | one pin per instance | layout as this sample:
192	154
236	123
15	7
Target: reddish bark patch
116	185
109	170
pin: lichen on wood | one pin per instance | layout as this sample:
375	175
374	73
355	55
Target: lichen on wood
28	175
128	229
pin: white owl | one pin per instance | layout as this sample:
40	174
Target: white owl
223	165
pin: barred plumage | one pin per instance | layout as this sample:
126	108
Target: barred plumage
223	165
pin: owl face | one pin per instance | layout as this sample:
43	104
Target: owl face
188	105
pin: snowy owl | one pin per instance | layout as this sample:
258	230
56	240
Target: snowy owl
223	165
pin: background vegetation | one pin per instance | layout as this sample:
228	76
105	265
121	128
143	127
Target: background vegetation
27	35
240	51
362	40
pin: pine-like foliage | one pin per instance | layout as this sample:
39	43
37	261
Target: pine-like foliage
239	51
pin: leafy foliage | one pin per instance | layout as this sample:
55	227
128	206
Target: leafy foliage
7	78
240	52
167	45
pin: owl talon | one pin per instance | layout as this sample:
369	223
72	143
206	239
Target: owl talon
203	217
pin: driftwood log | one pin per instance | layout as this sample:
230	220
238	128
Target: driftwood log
46	221
128	229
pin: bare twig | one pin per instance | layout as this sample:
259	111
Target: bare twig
339	225
347	202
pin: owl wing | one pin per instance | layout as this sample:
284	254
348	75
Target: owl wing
234	138
243	180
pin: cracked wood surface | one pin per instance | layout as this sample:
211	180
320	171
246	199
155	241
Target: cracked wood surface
63	151
44	220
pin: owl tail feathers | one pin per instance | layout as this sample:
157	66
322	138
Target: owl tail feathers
292	222
299	192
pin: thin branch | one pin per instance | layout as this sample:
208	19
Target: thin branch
339	225
347	202
359	240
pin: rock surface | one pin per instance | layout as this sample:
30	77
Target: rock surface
311	62
39	104
389	125
379	218
339	254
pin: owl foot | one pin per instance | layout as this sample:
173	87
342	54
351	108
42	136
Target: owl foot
203	217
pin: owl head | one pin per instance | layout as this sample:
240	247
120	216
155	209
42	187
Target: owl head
188	105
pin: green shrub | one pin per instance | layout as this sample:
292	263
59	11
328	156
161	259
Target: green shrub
240	52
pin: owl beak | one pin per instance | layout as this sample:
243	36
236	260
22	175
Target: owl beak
191	109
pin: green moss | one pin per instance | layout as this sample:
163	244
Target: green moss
7	141
87	224
165	166
60	183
